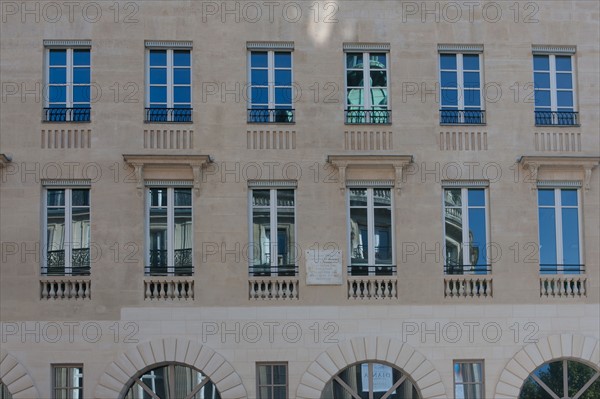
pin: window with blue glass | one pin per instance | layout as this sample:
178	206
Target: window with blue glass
68	85
169	91
559	231
554	82
461	96
466	231
367	94
271	90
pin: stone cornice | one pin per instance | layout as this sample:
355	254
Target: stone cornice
341	162
140	161
566	163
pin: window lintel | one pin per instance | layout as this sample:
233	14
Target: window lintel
538	49
341	162
460	48
140	161
366	47
561	163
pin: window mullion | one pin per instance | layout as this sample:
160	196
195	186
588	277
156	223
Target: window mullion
559	230
273	223
271	79
69	83
367	86
465	227
170	86
68	238
460	81
553	90
371	230
147	227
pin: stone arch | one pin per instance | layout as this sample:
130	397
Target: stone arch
16	378
388	350
120	372
553	347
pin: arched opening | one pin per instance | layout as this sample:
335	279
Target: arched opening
4	393
171	381
370	380
562	379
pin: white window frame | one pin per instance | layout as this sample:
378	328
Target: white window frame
558	233
553	89
170	226
272	385
69	389
68	225
469	361
170	85
460	84
270	76
372	265
367	106
69	86
464	193
274	248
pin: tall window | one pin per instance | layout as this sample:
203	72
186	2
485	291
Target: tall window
367	95
466	231
67	382
273	235
169	91
554	82
272	381
461	89
562	379
170	231
67	232
172	381
468	380
271	91
559	231
68	81
371	234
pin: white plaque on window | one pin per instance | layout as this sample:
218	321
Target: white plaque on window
323	267
383	377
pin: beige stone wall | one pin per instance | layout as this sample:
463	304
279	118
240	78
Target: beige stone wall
221	207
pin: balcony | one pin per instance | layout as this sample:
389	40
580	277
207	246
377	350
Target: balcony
462	117
159	263
374	270
368	116
372	288
562	269
66	114
267	270
55	263
168	115
458	269
556	118
271	115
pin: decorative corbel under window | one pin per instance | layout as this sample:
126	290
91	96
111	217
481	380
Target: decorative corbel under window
397	162
560	164
139	162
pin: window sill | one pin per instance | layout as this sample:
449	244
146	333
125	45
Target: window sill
463	124
270	123
367	124
70	122
557	125
169	122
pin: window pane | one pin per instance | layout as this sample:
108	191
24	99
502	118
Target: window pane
261	234
283	77
378	78
472	98
447	61
260	77
354	60
81	57
261	198
568	197
81	94
181	58
279	374
182	94
354	78
359	235
383	236
260	95
183	197
259	59
471	79
57	94
476	197
471	62
265	393
264	374
552	375
81	75
158	197
477	237
183	237
283	60
454	237
56	198
541	80
382	197
158	237
181	76
377	60
58	57
564	98
158	76
453	197
563	63
449	97
158	94
570	235
158	57
541	63
547	236
564	81
58	75
355	97
546	197
283	96
542	98
285	237
449	79
358	197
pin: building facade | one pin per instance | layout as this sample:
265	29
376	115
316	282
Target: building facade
425	173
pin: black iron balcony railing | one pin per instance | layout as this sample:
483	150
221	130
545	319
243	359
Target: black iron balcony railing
271	115
174	115
462	117
66	114
268	270
159	264
561	269
467	269
368	116
55	263
374	270
556	118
